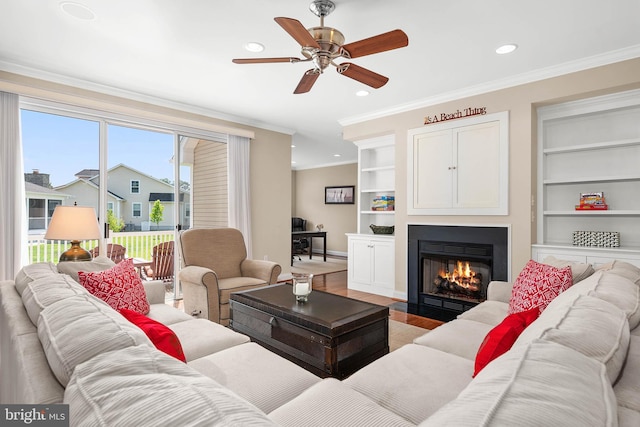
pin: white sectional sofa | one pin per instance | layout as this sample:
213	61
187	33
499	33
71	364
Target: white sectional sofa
577	364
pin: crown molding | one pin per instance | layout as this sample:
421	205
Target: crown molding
607	58
136	96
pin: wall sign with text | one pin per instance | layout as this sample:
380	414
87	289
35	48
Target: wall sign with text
458	114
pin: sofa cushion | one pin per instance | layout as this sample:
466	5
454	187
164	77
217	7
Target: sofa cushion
624	269
71	268
140	386
332	403
75	329
31	272
501	338
609	287
160	335
120	286
201	337
413	381
489	312
627	389
460	337
540	384
628	417
41	293
538	284
167	314
253	372
593	327
579	270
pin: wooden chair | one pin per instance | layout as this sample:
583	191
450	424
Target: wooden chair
161	267
114	251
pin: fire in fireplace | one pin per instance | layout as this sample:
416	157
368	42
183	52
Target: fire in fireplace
450	267
455	278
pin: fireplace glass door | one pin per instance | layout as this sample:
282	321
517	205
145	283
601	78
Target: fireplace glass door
454	277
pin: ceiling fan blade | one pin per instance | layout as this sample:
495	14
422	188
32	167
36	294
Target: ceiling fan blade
307	81
264	60
362	75
376	44
297	31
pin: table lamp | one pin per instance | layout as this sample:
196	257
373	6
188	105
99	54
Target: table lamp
74	223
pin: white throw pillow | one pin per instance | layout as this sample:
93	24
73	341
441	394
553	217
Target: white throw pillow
76	329
139	386
31	272
624	269
41	293
610	287
593	327
540	384
579	270
99	263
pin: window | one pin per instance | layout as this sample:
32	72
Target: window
137	208
110	206
135	187
187	210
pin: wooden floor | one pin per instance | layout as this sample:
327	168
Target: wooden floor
336	283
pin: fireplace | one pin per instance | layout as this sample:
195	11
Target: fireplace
450	267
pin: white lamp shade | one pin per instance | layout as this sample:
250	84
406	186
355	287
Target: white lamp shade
73	223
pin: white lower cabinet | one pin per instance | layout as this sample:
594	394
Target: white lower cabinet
371	264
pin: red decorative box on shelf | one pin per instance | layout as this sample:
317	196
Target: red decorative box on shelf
592	207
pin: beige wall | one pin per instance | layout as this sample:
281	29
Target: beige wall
270	155
309	203
521	102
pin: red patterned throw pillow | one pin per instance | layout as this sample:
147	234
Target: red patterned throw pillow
161	336
500	339
537	285
120	286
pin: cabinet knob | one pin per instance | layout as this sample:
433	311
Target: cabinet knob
451	167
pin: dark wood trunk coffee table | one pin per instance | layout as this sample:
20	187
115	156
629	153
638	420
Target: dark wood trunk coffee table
329	335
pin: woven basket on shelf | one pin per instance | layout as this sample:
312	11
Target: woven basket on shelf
382	229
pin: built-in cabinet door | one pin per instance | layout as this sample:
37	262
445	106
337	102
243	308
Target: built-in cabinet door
477	166
433	162
359	260
460	169
383	253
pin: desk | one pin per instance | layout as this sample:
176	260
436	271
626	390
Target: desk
299	235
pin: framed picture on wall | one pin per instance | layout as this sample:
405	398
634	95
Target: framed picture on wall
342	195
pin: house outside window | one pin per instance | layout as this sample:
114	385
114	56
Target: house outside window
135	187
137	208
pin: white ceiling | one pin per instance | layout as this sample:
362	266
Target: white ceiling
178	53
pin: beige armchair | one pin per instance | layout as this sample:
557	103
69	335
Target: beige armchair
215	264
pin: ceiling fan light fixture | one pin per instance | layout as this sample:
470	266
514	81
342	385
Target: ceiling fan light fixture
254	47
362	93
506	48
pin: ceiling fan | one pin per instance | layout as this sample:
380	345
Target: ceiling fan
323	45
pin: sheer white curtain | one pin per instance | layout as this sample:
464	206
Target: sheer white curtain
239	191
12	202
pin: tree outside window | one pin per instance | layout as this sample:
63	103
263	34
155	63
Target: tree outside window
157	213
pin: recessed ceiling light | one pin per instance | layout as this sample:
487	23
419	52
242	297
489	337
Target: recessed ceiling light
336	155
507	48
254	47
362	93
293	162
77	10
293	146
